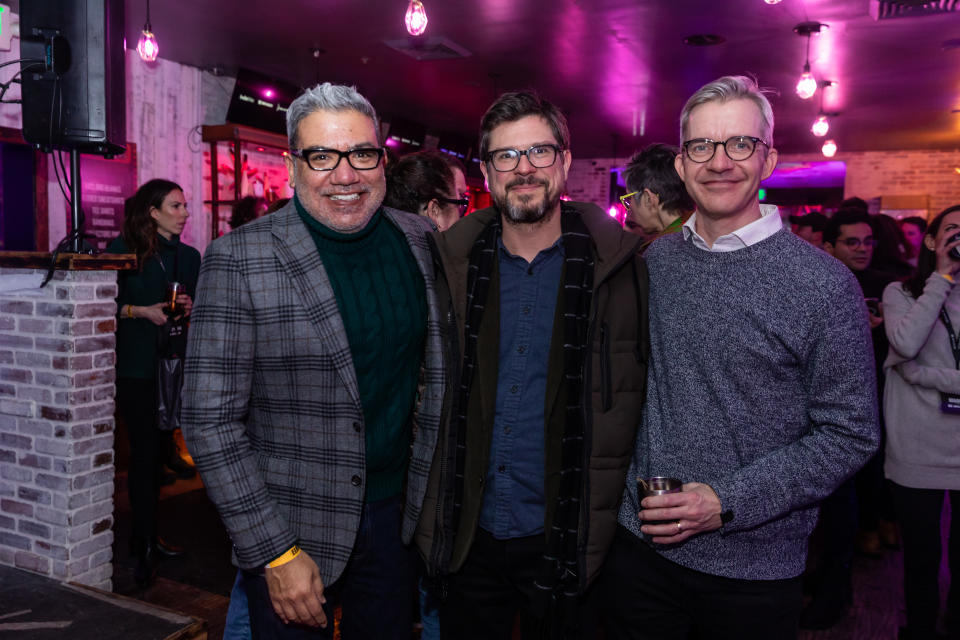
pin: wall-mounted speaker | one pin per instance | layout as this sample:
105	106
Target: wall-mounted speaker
73	89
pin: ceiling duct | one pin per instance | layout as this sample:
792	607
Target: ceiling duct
430	48
892	9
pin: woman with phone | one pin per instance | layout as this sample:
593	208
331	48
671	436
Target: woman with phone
154	217
922	407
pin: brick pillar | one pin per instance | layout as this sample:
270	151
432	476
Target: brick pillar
56	425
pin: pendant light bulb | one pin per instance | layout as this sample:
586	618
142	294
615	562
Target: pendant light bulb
829	149
807	85
820	126
772	1
147	46
416	18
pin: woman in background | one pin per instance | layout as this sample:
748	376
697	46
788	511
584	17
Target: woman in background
429	183
922	406
154	217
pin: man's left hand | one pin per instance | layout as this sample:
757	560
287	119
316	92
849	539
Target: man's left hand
694	510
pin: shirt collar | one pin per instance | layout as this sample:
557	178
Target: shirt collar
764	227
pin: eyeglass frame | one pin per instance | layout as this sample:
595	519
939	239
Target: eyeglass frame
462	203
299	154
557	149
717	143
855	243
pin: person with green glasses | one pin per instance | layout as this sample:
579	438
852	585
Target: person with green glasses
656	201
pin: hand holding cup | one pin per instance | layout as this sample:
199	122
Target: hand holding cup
673	515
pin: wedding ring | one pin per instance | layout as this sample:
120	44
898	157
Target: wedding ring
679	527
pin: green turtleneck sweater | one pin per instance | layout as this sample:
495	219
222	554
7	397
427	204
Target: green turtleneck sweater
380	295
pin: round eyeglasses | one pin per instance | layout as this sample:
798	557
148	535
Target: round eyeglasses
362	159
703	149
540	156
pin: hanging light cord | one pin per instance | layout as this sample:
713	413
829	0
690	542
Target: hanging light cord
150	27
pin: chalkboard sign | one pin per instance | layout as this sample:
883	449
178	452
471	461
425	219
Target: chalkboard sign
104	185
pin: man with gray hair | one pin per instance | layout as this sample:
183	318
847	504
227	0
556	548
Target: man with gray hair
761	397
314	349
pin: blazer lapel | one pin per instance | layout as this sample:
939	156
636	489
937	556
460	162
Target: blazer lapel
298	256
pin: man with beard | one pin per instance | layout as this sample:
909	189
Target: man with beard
315	348
549	299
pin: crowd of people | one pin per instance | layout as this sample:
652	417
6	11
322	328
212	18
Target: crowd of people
386	398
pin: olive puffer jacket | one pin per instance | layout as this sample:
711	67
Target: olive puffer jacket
614	384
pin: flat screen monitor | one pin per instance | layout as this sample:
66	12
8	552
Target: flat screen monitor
261	102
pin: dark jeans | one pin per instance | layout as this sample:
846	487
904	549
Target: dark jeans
836	528
374	591
493	586
646	596
137	402
918	511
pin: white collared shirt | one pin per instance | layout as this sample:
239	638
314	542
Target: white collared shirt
767	225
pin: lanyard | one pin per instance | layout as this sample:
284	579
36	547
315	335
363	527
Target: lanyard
954	338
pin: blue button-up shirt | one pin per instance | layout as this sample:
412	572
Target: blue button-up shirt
514	496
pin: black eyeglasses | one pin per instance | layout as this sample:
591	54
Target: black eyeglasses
702	149
462	203
540	156
362	159
854	243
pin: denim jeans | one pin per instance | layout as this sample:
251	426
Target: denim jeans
375	590
237	626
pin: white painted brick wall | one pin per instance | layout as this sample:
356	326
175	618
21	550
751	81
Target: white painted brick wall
56	426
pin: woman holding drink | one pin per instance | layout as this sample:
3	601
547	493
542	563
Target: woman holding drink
922	407
161	289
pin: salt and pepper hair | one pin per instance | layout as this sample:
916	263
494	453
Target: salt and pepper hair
327	97
515	105
726	89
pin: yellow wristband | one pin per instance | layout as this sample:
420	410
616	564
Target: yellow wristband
129	310
948	277
291	553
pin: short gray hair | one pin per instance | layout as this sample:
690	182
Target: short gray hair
726	89
327	97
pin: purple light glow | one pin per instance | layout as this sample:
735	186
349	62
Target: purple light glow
613	211
392	142
268	93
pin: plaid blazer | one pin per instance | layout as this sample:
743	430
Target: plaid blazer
271	408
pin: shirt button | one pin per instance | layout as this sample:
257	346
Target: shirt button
514	389
525	311
357	427
521	349
501	468
355	481
507	429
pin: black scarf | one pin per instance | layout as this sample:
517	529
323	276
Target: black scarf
558	581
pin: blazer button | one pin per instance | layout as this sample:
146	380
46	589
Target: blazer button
357	427
355	481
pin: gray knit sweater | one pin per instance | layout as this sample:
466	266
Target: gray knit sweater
762	386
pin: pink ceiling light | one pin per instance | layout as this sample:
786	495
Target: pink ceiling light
820	126
772	1
807	85
147	46
416	18
829	148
